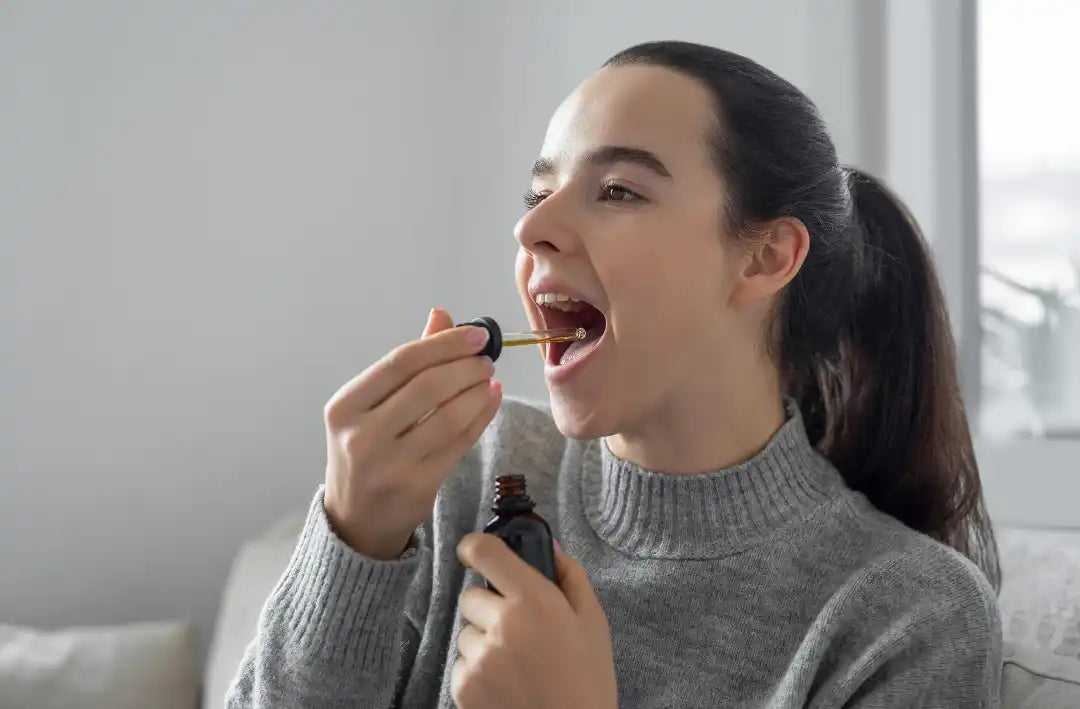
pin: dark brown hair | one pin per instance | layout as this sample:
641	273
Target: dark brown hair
862	335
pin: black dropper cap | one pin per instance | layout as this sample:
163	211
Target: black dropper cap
493	348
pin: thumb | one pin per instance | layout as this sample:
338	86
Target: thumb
575	584
438	320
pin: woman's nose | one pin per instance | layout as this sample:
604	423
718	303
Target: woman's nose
546	229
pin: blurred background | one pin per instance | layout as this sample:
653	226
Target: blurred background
216	213
1029	240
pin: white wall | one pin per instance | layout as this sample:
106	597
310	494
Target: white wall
223	211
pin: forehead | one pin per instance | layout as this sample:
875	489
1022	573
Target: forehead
638	106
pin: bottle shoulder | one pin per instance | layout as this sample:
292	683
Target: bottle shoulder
516	520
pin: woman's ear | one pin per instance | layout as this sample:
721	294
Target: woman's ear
771	261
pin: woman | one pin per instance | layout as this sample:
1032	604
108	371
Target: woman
757	464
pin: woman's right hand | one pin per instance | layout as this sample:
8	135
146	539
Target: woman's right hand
397	429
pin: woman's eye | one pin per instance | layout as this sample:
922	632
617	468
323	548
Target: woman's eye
533	198
617	193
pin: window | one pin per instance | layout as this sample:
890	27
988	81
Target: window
1029	175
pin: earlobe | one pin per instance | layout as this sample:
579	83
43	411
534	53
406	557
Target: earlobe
773	261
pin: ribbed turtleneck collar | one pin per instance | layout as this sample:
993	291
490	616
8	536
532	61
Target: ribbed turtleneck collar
651	514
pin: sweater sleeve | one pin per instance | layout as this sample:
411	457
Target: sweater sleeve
944	652
333	632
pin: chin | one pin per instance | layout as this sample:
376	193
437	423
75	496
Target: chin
578	419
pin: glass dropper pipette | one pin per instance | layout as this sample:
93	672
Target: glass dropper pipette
539	337
497	340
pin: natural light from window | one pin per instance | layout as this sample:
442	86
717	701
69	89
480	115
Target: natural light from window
1029	165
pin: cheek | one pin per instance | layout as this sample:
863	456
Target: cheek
702	266
523	266
677	283
674	295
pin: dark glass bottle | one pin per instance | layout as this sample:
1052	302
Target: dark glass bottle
524	531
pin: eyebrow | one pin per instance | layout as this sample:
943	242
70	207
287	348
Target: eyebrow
608	155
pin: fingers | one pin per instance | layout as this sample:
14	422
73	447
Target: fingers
436	393
438	320
470	642
461	689
444	453
372	386
428	328
403	363
446	423
494	560
442	386
480	606
564	565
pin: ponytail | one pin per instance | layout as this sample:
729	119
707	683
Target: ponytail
885	404
861	335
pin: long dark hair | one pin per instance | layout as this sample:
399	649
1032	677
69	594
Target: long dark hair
861	335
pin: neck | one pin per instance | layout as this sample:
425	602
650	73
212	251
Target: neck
705	426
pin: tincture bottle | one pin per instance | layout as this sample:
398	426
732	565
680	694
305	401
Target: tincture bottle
524	531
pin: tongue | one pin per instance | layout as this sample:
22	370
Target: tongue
578	348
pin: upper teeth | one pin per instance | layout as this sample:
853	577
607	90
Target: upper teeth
561	301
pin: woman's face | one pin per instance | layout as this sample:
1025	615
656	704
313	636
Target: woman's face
626	215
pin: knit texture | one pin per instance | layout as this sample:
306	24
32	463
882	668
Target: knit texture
768	584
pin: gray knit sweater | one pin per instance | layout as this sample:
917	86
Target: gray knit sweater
769	584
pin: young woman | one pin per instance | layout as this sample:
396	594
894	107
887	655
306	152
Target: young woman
757	465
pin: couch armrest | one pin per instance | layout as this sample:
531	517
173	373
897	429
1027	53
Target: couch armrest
255	571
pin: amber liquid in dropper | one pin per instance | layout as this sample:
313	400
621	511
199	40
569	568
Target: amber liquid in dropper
539	337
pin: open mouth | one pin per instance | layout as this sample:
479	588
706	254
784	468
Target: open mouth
570	313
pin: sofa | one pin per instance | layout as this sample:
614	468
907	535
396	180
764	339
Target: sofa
1040	607
120	668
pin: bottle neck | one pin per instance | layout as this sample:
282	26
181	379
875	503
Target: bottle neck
513	504
510	495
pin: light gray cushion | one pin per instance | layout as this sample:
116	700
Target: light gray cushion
110	667
1032	679
1040	590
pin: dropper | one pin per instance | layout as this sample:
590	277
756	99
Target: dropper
539	337
497	339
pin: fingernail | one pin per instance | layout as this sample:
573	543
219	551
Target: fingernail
555	542
476	335
489	365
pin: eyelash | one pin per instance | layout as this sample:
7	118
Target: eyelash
533	198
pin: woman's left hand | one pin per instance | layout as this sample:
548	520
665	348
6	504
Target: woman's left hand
538	645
